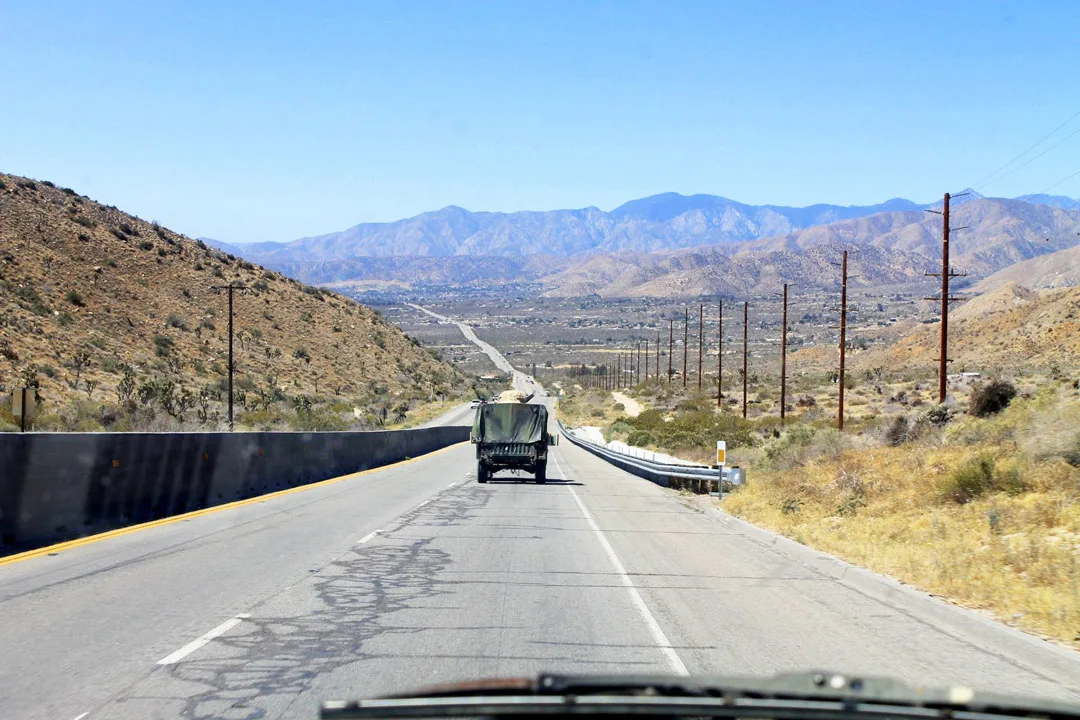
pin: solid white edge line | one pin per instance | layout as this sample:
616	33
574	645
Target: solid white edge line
202	640
673	660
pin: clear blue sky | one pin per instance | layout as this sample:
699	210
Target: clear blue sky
271	121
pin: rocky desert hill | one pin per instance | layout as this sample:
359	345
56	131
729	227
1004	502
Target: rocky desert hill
98	304
1008	328
1056	270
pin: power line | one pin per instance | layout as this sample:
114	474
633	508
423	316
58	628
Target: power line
1040	141
1059	182
1031	160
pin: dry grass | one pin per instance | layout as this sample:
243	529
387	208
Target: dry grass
1013	551
585	406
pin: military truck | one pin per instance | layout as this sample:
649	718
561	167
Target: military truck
511	436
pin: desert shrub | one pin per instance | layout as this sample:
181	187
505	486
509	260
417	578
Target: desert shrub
163	345
75	298
938	415
981	475
991	398
640	438
806	401
177	321
693	429
146	245
898	432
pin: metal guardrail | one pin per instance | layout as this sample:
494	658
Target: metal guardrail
698	478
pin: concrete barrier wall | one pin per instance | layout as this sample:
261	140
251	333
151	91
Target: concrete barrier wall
57	486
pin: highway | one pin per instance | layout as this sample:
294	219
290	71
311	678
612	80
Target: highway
415	573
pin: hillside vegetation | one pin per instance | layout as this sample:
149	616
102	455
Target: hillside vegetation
984	511
114	318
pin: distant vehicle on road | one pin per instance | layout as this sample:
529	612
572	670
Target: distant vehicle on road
511	436
477	402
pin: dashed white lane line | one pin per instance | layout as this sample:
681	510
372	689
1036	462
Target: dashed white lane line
674	662
368	537
200	641
80	717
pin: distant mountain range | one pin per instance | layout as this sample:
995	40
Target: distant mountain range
672	244
661	222
893	247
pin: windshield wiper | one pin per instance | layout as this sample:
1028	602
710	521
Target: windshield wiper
814	695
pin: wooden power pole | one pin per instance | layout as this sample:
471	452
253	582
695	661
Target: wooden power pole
720	354
783	362
646	361
685	340
946	274
232	367
658	357
745	350
637	365
670	345
843	338
700	340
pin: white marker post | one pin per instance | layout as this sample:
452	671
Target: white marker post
721	460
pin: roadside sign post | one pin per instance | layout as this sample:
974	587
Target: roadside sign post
721	460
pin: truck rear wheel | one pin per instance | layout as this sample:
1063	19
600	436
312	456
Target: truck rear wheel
541	472
482	473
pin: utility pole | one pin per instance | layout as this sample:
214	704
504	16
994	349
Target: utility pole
685	340
658	358
230	288
843	337
618	378
783	362
670	345
745	350
700	340
637	365
946	274
646	361
720	354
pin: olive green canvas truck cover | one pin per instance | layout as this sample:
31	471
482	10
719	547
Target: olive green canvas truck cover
510	423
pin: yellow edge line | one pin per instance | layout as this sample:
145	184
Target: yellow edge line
68	545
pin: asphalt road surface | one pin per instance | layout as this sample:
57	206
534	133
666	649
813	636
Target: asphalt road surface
415	573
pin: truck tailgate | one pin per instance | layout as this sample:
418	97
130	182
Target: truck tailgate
509	450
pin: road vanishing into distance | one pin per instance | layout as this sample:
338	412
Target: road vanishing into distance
415	573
